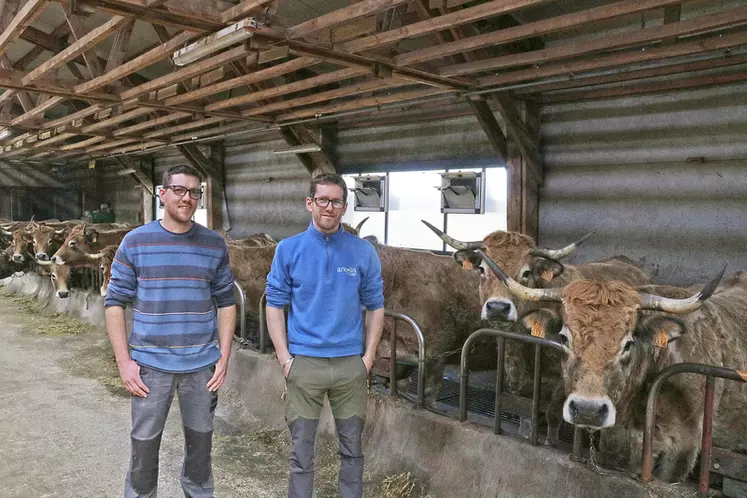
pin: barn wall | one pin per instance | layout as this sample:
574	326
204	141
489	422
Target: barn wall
661	177
27	191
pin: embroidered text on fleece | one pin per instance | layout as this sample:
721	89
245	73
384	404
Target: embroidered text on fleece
173	281
325	279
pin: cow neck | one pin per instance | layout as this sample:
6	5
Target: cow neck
177	234
324	238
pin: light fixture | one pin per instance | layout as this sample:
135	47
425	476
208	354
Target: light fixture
226	37
5	133
298	149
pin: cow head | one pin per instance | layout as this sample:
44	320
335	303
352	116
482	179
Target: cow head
610	347
355	230
75	246
519	256
105	258
60	276
22	241
47	240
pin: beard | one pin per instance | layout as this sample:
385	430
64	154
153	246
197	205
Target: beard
327	223
182	213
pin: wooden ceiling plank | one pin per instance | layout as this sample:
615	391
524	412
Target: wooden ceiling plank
671	14
174	116
87	41
119	47
89	56
125	116
717	42
450	20
183	127
261	75
188	72
622	40
297	86
154	55
242	9
83	113
362	103
194	135
539	28
343	15
358	88
37	111
22	20
82	143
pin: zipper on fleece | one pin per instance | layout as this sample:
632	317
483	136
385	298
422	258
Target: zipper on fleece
326	257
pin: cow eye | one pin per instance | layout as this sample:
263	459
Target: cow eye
72	243
563	339
526	274
628	345
53	277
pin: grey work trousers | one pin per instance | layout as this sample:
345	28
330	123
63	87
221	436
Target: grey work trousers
343	381
197	407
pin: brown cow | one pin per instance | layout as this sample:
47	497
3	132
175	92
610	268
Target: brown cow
83	240
614	349
47	239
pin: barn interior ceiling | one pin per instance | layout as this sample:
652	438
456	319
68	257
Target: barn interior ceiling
95	79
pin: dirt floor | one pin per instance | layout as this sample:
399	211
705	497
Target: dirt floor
65	423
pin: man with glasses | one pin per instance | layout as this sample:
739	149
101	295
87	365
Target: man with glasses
325	274
176	276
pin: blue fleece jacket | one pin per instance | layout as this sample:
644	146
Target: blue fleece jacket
325	279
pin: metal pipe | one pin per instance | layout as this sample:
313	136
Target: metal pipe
577	439
705	446
262	324
242	310
536	388
421	352
463	371
647	461
393	360
500	346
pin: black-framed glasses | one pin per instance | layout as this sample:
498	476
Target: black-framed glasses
323	202
179	191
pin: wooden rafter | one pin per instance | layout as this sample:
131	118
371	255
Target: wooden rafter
244	8
345	14
25	16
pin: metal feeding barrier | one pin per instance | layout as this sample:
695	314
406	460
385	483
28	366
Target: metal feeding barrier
501	336
711	372
393	340
393	355
242	310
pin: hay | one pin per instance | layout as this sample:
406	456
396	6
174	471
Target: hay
402	485
46	322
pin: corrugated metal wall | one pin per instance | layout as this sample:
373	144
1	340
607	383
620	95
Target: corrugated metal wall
663	178
27	191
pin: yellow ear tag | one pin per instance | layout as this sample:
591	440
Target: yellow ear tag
538	330
661	339
547	275
467	264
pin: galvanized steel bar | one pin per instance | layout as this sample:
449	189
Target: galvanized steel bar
705	446
262	324
647	461
421	353
577	439
500	346
242	310
536	388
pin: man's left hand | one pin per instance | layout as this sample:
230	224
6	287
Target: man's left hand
219	376
368	362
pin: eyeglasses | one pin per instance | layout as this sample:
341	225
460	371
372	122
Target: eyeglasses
179	191
323	202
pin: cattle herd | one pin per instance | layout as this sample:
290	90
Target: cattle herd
617	329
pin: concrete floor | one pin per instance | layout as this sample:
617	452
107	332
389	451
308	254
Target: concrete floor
68	436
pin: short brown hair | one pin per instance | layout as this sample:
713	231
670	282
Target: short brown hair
179	169
329	179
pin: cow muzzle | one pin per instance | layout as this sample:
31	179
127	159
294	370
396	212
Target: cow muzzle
587	411
63	294
18	258
42	256
57	260
499	309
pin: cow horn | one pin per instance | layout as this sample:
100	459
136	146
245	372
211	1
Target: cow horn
516	288
456	244
43	263
96	256
564	252
681	306
359	225
6	232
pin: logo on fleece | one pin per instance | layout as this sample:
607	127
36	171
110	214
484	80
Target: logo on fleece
350	272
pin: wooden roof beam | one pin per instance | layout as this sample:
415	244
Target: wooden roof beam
37	111
608	43
343	15
671	14
539	28
436	24
22	20
78	31
242	9
717	42
140	175
200	123
204	164
89	40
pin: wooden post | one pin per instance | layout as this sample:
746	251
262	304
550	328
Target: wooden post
147	213
215	193
523	190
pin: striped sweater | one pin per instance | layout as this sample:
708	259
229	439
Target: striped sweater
174	283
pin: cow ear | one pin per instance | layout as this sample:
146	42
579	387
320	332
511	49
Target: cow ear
468	259
545	269
542	323
660	330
